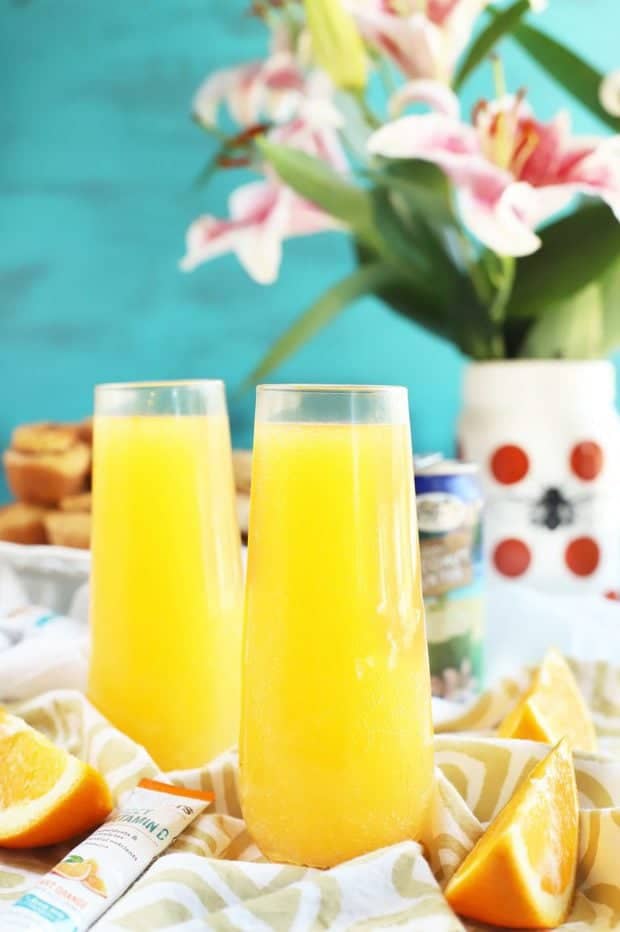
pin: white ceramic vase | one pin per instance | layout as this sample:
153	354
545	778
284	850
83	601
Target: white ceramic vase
546	436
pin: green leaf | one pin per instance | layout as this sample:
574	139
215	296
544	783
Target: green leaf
610	292
364	280
501	272
314	180
367	212
502	23
423	182
576	251
459	318
586	325
412	244
413	220
572	329
574	74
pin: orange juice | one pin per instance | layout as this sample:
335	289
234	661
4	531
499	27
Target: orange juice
336	736
167	584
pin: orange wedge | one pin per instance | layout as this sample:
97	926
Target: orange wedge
552	708
521	872
73	869
46	794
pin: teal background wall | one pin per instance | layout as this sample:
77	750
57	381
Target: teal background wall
97	157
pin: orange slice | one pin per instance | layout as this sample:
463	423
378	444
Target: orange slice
552	708
74	868
521	872
46	795
96	884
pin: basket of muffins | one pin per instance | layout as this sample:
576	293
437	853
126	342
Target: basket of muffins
48	471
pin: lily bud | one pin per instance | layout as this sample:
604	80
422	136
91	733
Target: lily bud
336	43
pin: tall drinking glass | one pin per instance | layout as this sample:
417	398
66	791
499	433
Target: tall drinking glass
336	734
166	574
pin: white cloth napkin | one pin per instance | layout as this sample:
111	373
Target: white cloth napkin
40	649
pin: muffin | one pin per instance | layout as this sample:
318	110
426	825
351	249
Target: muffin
242	467
81	503
44	437
22	524
44	478
68	529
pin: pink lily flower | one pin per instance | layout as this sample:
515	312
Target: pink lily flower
263	214
424	38
511	171
273	88
277	89
315	132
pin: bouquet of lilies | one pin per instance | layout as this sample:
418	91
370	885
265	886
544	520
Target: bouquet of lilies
497	230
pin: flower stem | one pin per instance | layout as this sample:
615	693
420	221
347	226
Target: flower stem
476	274
367	112
386	76
499	76
504	282
498	346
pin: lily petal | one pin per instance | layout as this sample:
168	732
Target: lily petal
453	146
285	87
306	219
262	215
434	94
457	24
321	141
261	210
206	238
238	87
274	88
261	256
413	43
596	175
255	232
501	223
423	44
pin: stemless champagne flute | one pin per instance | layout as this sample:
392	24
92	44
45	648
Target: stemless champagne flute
336	733
167	598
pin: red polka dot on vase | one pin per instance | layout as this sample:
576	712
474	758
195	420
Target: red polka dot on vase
586	460
509	464
582	556
512	557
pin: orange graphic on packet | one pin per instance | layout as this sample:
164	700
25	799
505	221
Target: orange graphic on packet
96	884
83	871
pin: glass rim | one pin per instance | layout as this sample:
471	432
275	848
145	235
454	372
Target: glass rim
162	383
332	389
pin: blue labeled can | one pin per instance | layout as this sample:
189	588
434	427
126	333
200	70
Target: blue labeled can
449	505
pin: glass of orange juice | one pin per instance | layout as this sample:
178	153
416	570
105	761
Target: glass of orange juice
336	733
166	604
